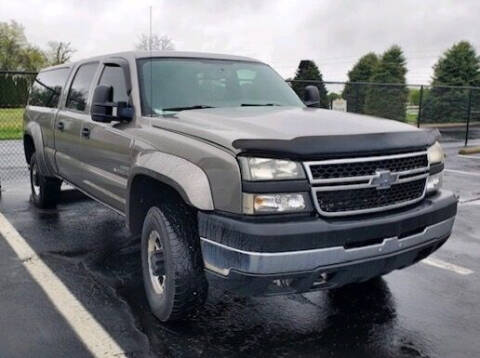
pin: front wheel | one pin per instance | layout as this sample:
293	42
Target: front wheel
45	190
173	274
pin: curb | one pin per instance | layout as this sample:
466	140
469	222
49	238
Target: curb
469	150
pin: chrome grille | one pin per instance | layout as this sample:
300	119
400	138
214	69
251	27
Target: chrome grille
353	186
353	169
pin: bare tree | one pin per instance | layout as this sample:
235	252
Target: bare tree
59	52
156	43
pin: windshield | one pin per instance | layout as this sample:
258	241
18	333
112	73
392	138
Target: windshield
169	85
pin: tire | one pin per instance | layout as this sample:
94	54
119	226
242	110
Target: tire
175	284
45	190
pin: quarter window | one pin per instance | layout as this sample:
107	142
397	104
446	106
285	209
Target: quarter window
78	94
47	88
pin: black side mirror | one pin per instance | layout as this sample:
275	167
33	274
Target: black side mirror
311	97
102	106
124	111
102	96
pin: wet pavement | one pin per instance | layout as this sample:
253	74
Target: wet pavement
421	311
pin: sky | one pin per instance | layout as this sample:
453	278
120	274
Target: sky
333	33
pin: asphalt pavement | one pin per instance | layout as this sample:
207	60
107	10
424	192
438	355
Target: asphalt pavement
71	279
12	162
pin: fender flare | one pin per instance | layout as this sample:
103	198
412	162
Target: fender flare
34	131
188	179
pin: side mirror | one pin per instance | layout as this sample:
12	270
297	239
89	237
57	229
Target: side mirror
103	107
311	97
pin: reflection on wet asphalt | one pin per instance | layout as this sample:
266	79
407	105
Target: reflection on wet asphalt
417	312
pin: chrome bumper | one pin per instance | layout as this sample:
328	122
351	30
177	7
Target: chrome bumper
221	259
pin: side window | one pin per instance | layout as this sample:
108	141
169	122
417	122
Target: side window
47	88
113	76
78	94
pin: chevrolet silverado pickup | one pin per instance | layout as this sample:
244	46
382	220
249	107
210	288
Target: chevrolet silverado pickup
230	179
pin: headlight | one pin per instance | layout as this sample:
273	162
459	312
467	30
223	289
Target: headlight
270	169
435	154
435	157
274	203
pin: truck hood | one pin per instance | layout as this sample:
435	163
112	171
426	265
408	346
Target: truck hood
295	131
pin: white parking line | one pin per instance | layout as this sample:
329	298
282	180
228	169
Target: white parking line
447	266
468	156
92	334
462	172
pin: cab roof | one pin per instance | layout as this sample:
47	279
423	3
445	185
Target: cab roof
132	55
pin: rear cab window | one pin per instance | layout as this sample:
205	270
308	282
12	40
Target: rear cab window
47	88
79	90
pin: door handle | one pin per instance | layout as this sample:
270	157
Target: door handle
86	132
60	126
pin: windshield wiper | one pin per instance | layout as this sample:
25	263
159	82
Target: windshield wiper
259	104
198	106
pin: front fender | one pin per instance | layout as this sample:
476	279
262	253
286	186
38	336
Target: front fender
189	180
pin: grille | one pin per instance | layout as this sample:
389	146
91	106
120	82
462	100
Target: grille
368	198
352	186
364	168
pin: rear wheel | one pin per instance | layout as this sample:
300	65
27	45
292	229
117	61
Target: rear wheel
45	190
173	274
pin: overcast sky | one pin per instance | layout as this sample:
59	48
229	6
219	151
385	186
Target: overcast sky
334	33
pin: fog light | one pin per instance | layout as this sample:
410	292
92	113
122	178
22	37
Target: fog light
434	182
273	203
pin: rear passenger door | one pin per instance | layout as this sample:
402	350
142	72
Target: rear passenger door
69	123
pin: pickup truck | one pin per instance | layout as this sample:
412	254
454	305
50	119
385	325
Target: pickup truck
230	179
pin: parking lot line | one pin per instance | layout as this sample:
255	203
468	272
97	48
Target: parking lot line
468	156
447	266
462	172
92	334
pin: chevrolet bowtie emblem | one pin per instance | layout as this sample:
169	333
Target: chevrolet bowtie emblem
383	179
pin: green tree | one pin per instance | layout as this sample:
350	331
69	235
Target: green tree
388	101
458	66
308	71
12	43
17	54
362	71
14	90
32	59
332	96
413	96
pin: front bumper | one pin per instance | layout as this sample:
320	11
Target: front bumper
263	257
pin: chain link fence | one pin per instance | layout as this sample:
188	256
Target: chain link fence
14	87
453	110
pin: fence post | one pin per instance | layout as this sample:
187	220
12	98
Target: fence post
420	102
356	109
469	114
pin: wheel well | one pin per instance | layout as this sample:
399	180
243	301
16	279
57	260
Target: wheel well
146	192
28	146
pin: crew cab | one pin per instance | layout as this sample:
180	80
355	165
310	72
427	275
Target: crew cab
231	179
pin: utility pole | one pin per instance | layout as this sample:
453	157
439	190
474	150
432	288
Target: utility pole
150	32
